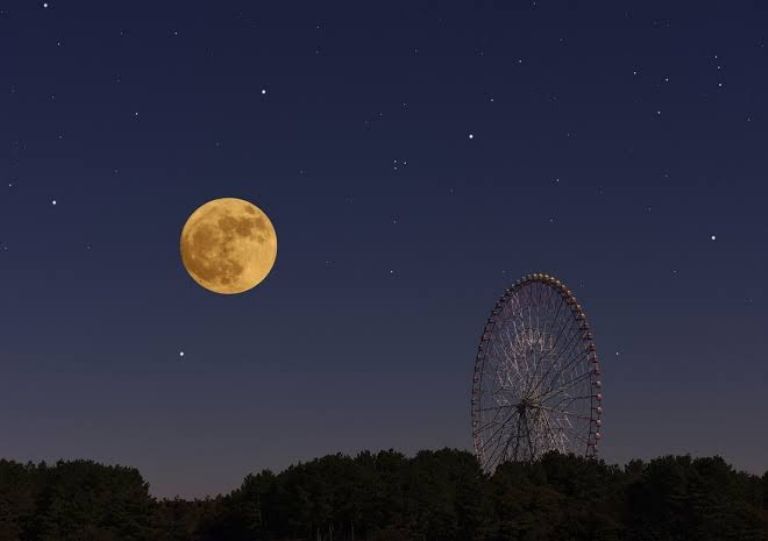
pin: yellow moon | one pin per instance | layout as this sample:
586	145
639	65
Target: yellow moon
228	245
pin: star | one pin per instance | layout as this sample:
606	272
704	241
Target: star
45	5
263	91
471	136
713	237
181	353
53	202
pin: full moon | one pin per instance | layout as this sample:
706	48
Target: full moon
228	245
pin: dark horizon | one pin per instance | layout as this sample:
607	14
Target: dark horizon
415	158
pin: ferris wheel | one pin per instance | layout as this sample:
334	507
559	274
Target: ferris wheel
536	384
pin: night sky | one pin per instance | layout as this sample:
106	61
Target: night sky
416	158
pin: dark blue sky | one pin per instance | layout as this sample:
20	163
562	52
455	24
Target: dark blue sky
611	143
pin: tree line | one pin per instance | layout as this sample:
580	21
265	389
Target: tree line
434	496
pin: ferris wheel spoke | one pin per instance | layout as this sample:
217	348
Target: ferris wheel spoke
566	407
487	425
571	334
492	422
503	447
497	407
568	413
541	437
502	425
569	435
553	434
542	352
541	338
564	430
560	329
518	334
580	438
566	385
540	355
544	355
566	324
495	455
574	334
503	376
511	359
561	400
553	298
537	387
578	356
499	452
568	404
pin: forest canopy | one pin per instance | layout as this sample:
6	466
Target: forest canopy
434	496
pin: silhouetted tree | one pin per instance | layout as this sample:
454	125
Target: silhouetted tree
765	490
435	496
20	487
